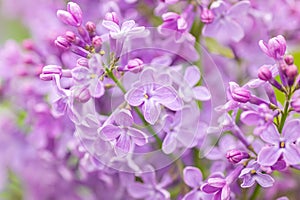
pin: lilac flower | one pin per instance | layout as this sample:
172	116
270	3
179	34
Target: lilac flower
220	186
151	95
280	144
253	173
73	15
260	118
225	26
173	21
193	177
188	90
128	28
150	189
90	77
275	48
181	130
121	132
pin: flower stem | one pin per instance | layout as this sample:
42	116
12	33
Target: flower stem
285	111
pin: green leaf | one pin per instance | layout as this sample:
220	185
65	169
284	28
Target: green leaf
216	48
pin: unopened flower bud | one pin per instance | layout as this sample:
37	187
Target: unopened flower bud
97	42
136	65
70	36
90	27
235	156
291	72
62	43
295	103
264	73
241	95
112	16
207	16
289	59
28	45
49	71
73	15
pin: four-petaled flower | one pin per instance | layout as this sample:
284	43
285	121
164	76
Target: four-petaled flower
281	144
120	132
151	95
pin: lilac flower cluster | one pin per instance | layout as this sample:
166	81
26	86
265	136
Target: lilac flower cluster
152	99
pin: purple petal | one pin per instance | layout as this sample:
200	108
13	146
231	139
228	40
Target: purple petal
97	88
192	176
217	182
66	17
268	156
201	93
225	195
248	181
250	118
137	136
291	131
127	25
123	145
219	7
112	26
209	189
168	97
60	107
80	74
264	180
192	195
239	8
123	118
264	47
169	144
76	12
110	132
139	191
291	154
192	75
151	111
271	135
135	96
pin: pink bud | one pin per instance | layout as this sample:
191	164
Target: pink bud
207	16
289	59
241	95
235	156
296	104
62	43
82	94
70	36
90	27
112	16
75	11
136	65
49	71
97	42
264	73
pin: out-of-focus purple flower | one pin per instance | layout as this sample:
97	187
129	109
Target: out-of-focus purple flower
253	173
174	22
181	130
73	15
188	89
295	103
260	118
275	48
151	95
235	155
150	189
123	134
128	28
192	176
280	144
90	77
112	16
225	26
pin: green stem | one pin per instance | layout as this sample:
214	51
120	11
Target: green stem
285	112
255	192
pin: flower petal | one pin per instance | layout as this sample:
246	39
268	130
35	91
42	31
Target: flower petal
208	188
250	118
110	132
201	93
291	130
169	144
192	75
151	111
264	180
135	96
137	136
268	156
123	145
271	135
192	176
291	154
123	118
